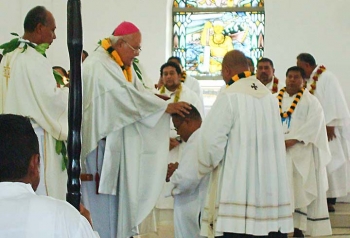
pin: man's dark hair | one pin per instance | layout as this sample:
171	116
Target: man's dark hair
192	115
307	58
265	60
18	142
178	60
171	64
34	17
61	68
85	53
251	60
296	68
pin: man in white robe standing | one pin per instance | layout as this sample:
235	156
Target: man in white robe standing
241	145
307	155
28	87
22	212
176	91
265	72
325	86
190	82
130	126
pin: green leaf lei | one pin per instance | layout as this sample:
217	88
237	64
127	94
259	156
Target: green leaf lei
41	48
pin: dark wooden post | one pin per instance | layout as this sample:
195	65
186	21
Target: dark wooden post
75	46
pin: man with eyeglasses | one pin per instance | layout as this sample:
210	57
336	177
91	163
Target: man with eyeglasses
188	202
125	136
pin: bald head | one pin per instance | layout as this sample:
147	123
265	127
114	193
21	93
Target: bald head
234	62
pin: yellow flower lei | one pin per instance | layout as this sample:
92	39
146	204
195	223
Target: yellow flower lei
320	70
183	76
177	92
294	103
236	77
106	44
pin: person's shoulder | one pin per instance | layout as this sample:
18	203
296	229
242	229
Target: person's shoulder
328	75
191	80
61	206
187	89
31	59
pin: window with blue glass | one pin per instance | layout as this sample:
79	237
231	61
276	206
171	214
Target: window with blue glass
205	30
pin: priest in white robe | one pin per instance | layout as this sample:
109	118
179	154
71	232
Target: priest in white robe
28	87
265	72
307	155
176	91
22	212
132	125
325	86
241	145
190	82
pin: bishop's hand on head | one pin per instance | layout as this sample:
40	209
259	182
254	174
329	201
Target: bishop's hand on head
180	108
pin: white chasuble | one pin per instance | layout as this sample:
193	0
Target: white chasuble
241	143
28	88
134	162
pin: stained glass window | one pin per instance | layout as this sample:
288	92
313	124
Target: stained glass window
204	30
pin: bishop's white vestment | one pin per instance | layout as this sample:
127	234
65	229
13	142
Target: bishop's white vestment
241	143
25	214
28	88
136	129
331	97
306	163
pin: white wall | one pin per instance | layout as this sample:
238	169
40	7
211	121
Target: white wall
100	18
320	27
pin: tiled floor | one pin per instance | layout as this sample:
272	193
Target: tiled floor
340	225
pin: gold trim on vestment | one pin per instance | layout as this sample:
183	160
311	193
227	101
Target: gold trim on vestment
7	70
255	218
252	205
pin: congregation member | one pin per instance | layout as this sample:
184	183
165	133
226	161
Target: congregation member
241	144
322	83
125	135
188	203
307	155
22	212
176	91
265	72
29	88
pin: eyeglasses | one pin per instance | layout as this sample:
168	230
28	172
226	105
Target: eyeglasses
136	51
178	127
